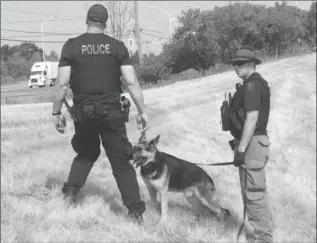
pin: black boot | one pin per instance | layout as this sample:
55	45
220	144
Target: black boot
70	195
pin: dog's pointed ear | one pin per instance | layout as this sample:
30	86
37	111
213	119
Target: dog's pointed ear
155	140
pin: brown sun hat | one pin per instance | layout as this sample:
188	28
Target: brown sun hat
245	55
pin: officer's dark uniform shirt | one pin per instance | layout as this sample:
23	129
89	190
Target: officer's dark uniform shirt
254	95
95	60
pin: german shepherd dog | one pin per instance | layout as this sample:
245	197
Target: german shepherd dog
162	172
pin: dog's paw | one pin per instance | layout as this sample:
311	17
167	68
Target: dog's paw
224	214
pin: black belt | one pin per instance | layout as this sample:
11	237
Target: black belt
110	105
256	133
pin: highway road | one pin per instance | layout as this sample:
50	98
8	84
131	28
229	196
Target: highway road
18	90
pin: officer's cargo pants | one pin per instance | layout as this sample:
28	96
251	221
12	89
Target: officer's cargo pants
86	143
253	189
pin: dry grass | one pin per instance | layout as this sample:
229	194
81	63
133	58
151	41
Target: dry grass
36	161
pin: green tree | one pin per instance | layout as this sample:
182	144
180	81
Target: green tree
199	49
53	56
154	69
36	57
310	24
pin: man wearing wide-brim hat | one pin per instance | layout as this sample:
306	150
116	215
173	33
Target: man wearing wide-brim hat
245	56
248	114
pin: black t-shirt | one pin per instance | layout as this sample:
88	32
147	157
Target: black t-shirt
254	95
95	60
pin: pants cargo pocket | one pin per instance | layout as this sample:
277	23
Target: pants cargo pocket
256	184
263	140
257	153
264	144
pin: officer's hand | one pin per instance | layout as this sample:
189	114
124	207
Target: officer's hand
60	123
142	122
238	159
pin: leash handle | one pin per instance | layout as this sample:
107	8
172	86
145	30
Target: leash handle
144	130
143	136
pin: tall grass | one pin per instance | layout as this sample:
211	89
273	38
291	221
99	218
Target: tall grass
35	162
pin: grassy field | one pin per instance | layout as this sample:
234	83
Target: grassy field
36	160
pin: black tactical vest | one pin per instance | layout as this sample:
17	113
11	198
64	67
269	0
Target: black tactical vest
95	66
236	112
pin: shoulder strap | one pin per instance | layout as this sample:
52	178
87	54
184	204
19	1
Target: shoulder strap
262	87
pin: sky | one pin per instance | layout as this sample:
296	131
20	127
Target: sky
28	16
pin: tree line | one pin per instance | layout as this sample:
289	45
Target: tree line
205	38
210	37
17	60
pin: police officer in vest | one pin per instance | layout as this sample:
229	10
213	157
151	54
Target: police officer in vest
246	117
94	62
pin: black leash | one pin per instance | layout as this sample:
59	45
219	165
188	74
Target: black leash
217	164
244	196
244	206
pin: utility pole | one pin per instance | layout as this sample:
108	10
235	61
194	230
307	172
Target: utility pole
137	30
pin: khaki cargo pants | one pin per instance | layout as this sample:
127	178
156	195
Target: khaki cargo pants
253	189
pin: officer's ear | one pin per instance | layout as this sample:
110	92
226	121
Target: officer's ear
253	64
238	85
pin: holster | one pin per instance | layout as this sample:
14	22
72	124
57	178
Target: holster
125	107
224	110
225	122
232	144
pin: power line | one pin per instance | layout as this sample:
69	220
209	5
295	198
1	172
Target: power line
67	34
27	36
34	21
161	32
155	36
38	32
33	13
32	41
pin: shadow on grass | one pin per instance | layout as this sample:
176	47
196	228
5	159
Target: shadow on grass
200	214
89	189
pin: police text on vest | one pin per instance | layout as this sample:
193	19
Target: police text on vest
95	49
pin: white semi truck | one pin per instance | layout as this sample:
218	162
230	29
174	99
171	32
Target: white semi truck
43	74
